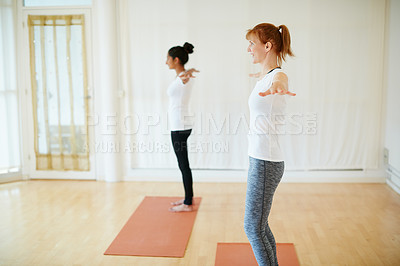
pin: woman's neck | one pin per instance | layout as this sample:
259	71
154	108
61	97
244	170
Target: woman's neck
179	69
270	63
267	68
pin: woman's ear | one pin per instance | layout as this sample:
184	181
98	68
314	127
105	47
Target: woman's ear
176	60
268	46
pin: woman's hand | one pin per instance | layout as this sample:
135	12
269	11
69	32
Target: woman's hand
187	75
279	86
255	75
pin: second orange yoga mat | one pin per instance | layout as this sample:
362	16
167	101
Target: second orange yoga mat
154	231
241	254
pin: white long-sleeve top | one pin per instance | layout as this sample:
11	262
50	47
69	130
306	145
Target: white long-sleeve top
178	110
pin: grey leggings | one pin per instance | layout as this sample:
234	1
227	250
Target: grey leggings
262	181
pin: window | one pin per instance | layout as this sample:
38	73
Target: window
57	2
10	160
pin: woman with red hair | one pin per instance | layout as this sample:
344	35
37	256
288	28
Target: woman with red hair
269	46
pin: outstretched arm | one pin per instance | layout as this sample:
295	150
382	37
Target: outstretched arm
279	86
185	77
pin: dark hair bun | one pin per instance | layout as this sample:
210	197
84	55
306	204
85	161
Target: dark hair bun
188	47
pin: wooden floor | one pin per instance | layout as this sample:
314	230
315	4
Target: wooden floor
73	222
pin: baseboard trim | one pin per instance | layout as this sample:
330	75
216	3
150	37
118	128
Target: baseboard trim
11	177
393	178
240	176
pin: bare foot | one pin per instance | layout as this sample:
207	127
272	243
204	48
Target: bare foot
176	203
179	202
182	208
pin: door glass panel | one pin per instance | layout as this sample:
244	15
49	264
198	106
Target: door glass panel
59	86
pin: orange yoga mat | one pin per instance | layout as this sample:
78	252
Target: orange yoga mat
154	231
241	254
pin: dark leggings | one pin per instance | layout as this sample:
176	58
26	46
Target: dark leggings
179	142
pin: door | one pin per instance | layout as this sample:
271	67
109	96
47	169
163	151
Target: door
59	95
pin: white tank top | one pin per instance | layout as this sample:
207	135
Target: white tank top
266	121
178	110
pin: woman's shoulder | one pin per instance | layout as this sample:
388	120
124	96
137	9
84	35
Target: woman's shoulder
279	73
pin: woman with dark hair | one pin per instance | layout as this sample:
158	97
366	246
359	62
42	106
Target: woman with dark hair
269	45
179	94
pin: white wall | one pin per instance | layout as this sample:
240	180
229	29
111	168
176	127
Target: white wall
337	75
391	112
392	125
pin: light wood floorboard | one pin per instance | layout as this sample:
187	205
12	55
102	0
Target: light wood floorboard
73	222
